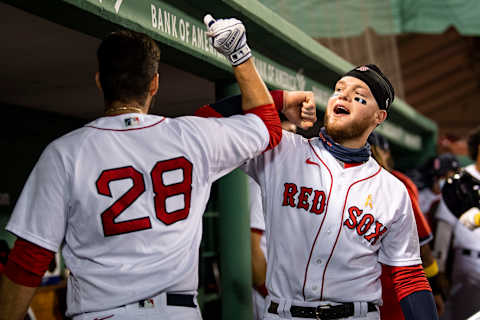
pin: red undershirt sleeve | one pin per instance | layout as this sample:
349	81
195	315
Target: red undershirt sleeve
408	279
232	106
27	263
270	117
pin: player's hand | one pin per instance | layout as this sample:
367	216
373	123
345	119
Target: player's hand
228	36
299	108
471	218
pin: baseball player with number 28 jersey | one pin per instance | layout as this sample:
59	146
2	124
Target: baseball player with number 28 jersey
124	195
333	215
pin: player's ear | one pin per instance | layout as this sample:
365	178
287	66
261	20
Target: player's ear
380	116
154	85
97	81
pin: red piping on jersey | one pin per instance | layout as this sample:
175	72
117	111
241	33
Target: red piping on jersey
323	220
341	224
127	129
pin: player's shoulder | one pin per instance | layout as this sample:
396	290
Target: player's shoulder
249	120
391	180
406	181
292	140
68	140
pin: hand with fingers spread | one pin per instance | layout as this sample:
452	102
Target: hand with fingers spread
299	108
228	36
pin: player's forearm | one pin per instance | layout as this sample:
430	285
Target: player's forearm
14	299
419	305
426	255
253	89
259	263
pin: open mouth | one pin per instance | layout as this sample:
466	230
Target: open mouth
339	109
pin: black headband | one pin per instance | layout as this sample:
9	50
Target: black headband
378	83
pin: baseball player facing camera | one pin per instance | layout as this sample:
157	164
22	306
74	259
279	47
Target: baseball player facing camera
333	216
123	196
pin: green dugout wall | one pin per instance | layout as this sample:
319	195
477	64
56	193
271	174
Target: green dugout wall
285	57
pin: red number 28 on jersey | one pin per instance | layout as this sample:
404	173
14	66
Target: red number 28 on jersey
162	193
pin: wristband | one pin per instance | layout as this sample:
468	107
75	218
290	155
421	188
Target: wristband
431	270
476	219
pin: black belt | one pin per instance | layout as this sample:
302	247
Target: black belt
471	253
173	299
325	312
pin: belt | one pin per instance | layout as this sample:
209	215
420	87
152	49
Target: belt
471	253
325	312
173	299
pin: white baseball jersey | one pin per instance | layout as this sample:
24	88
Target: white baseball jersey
465	290
257	218
328	228
257	221
125	195
426	198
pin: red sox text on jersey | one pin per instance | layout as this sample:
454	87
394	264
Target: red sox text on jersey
330	228
358	219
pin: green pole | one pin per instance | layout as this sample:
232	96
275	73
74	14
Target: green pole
234	239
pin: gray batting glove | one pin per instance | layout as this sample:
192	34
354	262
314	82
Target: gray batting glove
228	37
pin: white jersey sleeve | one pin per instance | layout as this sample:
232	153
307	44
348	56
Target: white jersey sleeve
444	214
400	246
257	219
226	142
40	215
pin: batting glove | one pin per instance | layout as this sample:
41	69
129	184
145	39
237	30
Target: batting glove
228	37
471	218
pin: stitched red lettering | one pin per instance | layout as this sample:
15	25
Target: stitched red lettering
365	224
353	213
377	234
303	198
318	202
288	194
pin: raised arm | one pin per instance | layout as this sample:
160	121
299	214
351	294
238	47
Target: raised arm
228	36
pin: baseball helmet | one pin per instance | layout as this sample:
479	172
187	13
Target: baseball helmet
461	192
437	167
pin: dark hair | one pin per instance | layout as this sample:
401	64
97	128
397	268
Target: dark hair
473	143
127	63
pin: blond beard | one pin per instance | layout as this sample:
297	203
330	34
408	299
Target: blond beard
353	131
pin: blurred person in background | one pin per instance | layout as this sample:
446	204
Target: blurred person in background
464	298
458	146
432	175
391	308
